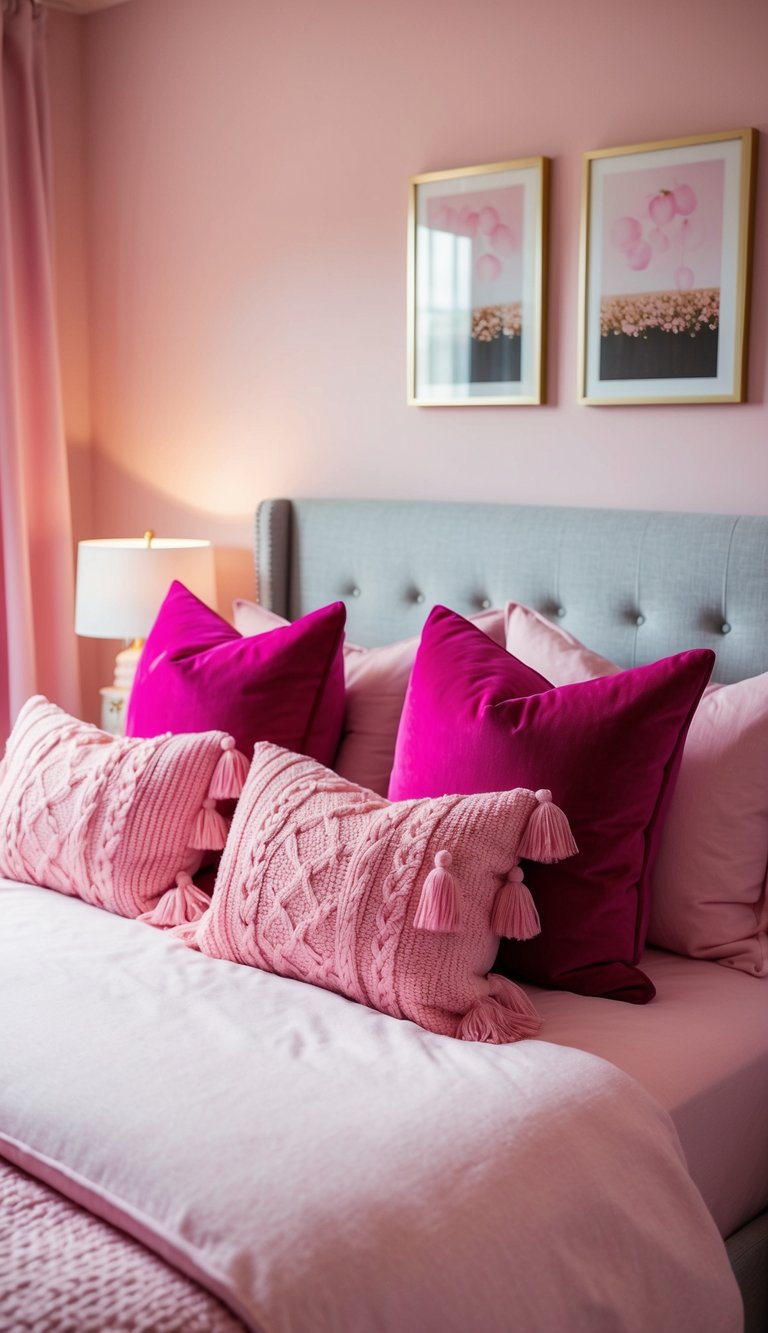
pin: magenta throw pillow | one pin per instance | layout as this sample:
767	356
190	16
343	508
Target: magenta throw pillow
478	719
196	672
709	891
399	907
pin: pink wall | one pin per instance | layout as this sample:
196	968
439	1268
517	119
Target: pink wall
247	168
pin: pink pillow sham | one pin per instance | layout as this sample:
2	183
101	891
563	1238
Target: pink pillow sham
197	672
478	719
120	823
376	681
395	906
709	888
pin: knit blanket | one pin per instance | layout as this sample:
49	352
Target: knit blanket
63	1269
323	1168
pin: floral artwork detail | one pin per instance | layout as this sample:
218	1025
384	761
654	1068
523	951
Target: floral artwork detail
659	223
476	284
666	246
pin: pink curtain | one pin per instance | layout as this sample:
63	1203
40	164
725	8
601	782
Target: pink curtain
37	644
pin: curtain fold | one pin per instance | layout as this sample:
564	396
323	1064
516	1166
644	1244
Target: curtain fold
37	644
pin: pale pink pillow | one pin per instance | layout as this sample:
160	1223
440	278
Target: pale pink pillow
709	897
326	882
376	680
120	822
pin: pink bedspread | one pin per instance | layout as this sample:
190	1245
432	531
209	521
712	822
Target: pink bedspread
323	1168
61	1269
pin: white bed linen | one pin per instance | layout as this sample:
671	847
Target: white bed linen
701	1049
324	1167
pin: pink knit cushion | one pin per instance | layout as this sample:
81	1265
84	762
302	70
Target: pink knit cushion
709	891
376	681
121	823
326	882
197	672
476	718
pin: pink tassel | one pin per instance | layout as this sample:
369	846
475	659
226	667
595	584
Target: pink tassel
439	906
514	915
547	835
180	905
187	933
505	1014
210	831
229	774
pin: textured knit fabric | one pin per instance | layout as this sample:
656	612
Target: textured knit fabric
107	819
196	672
64	1271
321	881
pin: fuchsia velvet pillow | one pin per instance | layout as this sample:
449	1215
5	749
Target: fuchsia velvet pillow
709	895
326	882
121	823
197	672
376	681
476	719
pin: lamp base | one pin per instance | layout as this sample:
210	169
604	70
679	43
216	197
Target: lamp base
114	705
125	665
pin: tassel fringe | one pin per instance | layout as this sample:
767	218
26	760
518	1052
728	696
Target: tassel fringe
514	915
210	830
229	774
439	906
181	905
547	835
504	1015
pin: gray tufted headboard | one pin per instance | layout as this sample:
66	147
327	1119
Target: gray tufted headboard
635	585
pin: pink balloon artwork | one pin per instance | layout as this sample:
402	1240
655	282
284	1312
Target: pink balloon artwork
685	199
658	240
503	239
488	268
662	208
488	221
639	255
625	232
667	206
684	278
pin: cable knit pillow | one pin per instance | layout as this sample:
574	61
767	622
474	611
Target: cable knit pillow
120	823
399	907
376	680
709	891
196	672
476	719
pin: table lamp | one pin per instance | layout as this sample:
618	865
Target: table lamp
121	582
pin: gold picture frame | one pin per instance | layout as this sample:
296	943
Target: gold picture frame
477	278
666	248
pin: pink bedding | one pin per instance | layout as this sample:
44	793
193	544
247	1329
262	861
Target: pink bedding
63	1269
701	1049
321	1166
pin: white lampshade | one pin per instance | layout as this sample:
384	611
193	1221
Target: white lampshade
122	581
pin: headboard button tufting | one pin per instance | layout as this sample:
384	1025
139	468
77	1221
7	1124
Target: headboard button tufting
354	592
485	604
560	612
639	620
420	598
725	628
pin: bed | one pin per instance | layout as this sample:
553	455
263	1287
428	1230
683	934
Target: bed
412	1243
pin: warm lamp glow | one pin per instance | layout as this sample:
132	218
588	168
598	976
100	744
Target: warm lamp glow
122	581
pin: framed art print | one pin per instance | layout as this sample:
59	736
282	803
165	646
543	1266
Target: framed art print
665	272
476	285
